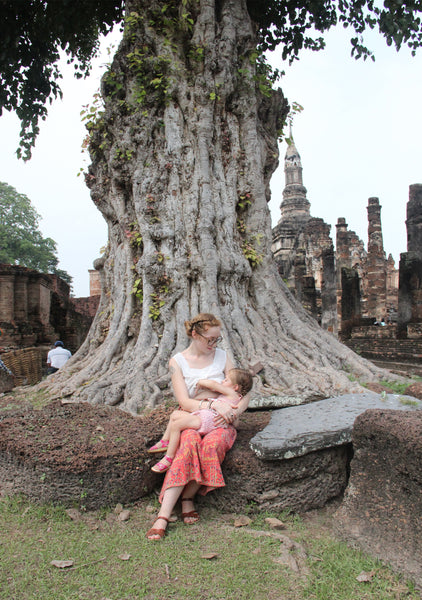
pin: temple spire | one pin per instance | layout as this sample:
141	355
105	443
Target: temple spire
295	205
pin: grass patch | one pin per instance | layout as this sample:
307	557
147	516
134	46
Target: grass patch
409	402
247	563
397	387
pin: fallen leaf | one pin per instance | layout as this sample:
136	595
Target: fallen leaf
62	564
124	556
365	576
242	521
209	555
275	523
73	514
124	515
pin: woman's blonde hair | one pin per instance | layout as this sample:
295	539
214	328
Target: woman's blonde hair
201	323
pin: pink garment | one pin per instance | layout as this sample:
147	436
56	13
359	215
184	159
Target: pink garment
207	415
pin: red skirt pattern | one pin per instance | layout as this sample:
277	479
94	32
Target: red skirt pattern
199	458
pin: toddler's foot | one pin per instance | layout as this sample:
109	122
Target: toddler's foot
160	446
163	465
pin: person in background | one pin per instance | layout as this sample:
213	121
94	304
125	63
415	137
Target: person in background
57	357
5	369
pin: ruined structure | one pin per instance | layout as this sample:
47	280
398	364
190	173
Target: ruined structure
410	281
351	290
302	247
339	288
36	309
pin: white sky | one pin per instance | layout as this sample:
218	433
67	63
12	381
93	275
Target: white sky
359	136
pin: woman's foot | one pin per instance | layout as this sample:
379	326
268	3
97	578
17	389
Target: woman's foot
160	446
158	530
163	465
189	514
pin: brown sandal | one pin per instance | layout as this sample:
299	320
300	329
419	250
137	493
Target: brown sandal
160	532
189	515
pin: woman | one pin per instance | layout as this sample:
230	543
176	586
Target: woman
197	464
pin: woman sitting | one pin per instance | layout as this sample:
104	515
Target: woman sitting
196	467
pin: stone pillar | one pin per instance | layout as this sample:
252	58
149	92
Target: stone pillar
7	297
342	260
376	266
410	268
21	297
328	291
304	284
350	300
414	219
94	282
392	290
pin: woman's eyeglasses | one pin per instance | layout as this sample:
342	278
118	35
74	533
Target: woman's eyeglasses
210	340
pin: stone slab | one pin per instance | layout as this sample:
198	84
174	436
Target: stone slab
298	430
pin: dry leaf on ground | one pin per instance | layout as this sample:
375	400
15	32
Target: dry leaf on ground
62	564
242	521
124	515
365	576
209	555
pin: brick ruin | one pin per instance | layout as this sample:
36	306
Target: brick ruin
303	249
36	309
349	289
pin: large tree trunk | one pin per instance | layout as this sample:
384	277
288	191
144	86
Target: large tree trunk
182	159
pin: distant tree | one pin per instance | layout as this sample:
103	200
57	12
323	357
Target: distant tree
21	242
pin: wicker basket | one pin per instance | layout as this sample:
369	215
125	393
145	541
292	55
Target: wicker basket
25	364
6	382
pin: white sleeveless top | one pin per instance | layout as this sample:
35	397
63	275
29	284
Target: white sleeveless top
213	371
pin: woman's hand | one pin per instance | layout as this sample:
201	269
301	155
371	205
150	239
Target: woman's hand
226	413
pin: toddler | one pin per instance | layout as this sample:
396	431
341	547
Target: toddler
232	391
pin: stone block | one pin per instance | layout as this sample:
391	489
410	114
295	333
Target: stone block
298	430
382	508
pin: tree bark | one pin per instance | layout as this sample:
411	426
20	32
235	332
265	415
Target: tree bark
181	163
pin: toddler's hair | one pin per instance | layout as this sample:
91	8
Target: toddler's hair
201	323
243	379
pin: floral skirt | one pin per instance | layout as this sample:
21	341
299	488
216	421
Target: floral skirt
199	459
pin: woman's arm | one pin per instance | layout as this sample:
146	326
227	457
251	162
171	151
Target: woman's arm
224	410
216	386
243	405
180	390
